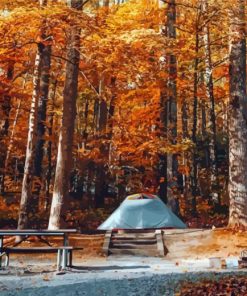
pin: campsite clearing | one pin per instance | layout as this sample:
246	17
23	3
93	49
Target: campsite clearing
183	244
188	259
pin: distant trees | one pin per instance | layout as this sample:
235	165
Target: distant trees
5	102
131	96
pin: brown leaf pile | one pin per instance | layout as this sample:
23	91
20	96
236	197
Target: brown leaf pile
230	286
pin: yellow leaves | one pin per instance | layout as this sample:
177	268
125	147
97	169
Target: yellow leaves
95	37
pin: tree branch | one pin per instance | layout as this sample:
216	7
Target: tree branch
181	4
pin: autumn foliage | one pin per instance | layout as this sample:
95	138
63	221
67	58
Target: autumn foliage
124	70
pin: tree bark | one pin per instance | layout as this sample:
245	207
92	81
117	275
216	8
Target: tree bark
50	114
26	193
169	162
100	185
65	146
194	180
6	105
42	106
238	118
11	140
4	125
106	3
29	202
185	118
210	95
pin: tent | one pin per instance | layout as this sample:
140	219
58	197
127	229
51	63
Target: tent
142	211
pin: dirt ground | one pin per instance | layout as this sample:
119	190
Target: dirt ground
181	244
199	244
95	274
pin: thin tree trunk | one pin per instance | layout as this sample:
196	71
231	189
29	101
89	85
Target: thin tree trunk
171	162
100	185
50	110
85	130
210	95
26	193
101	128
96	116
168	114
4	125
11	140
6	105
42	105
111	109
106	3
238	118
185	118
203	119
194	180
65	146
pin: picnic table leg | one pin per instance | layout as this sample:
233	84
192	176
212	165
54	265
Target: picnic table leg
6	260
70	257
1	247
65	252
65	240
64	259
59	257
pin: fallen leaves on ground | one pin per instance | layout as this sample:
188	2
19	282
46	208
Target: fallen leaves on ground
226	286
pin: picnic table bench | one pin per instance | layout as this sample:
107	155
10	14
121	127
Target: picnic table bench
64	252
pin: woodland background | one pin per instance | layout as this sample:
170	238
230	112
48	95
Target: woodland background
101	99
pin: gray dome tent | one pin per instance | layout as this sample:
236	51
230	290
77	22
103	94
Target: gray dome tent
142	211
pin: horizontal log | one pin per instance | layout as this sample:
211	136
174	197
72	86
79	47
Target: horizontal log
133	241
35	249
136	252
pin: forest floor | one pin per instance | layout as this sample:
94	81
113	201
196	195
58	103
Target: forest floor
94	274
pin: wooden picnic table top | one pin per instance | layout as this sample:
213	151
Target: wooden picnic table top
38	232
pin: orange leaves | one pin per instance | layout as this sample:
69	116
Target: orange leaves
184	169
8	211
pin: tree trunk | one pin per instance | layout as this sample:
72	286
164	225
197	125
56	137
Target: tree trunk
26	193
50	110
185	118
6	105
4	125
203	119
65	146
42	105
96	116
29	202
100	185
238	118
194	180
210	95
112	107
169	165
11	140
106	3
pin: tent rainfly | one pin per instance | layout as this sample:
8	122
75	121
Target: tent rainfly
142	211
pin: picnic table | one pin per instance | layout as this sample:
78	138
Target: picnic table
64	252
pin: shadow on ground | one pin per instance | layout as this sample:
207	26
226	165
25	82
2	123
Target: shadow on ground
104	268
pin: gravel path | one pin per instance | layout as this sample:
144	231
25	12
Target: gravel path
109	277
